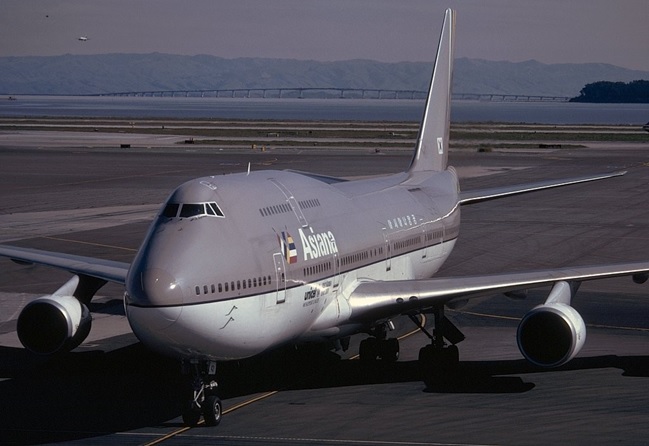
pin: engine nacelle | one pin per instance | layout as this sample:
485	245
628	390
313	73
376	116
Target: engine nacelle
551	334
52	324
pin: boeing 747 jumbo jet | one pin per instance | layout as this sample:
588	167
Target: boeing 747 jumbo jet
239	264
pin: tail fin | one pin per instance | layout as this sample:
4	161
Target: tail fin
432	143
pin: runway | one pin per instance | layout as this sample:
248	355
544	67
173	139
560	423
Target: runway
96	201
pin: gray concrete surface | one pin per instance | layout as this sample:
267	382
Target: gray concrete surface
112	390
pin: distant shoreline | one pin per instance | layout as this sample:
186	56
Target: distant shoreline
322	110
264	136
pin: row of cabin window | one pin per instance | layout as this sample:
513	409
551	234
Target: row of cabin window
232	286
408	242
284	207
364	255
433	235
317	269
275	209
305	204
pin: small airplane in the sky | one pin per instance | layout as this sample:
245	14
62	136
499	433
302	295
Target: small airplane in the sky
239	264
83	38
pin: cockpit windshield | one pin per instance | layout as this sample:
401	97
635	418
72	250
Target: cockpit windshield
192	210
189	210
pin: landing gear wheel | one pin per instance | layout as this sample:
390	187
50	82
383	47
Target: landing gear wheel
452	356
438	365
367	350
202	392
389	350
372	348
212	410
191	415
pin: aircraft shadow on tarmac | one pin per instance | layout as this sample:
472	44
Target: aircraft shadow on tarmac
89	394
86	394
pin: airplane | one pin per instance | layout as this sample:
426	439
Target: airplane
239	264
83	39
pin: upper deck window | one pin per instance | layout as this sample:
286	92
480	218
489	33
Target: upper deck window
188	210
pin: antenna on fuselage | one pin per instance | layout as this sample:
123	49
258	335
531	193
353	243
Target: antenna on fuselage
248	173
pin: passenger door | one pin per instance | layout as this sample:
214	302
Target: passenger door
280	277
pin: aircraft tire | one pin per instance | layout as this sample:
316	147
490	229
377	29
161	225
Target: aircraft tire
438	366
212	410
191	415
389	350
452	357
427	365
367	350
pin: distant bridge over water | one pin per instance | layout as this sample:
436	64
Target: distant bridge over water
332	93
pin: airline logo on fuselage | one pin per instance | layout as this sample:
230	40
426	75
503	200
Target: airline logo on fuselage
287	245
317	244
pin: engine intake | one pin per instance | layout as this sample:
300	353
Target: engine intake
553	333
52	324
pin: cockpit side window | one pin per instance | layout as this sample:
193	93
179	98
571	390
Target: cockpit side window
170	210
214	208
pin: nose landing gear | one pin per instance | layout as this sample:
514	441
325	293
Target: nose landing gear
203	397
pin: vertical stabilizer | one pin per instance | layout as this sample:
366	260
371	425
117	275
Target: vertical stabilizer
431	152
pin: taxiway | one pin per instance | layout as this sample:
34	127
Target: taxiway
97	201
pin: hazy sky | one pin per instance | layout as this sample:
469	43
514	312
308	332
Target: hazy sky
550	31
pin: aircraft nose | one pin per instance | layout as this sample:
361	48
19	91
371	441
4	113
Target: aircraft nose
161	287
156	288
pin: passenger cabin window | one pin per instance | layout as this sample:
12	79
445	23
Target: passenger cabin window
188	210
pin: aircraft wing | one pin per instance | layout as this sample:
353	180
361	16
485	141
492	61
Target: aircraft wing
377	300
108	270
476	196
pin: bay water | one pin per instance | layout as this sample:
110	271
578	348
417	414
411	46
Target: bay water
318	109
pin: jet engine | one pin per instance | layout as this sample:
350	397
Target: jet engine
52	324
56	323
553	333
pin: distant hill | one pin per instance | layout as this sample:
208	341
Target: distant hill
110	73
535	78
635	92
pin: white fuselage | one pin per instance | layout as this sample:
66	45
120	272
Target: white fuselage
227	286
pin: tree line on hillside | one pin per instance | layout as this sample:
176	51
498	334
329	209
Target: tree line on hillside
635	92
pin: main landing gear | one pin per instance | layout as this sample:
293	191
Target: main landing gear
203	399
438	361
379	345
